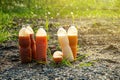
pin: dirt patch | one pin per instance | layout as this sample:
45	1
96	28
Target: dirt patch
98	54
113	50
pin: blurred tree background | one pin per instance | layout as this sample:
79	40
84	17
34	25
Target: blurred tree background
62	8
52	9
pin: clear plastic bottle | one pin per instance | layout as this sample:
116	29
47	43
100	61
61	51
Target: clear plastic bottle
33	43
58	56
73	40
64	43
25	45
41	46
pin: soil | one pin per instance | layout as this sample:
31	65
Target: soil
99	45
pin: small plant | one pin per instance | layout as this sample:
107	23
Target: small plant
86	64
49	53
63	63
73	19
81	57
48	36
47	24
66	63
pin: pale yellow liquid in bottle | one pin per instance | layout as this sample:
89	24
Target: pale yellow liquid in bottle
64	43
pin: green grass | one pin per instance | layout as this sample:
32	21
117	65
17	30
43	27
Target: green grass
60	9
54	64
47	24
4	36
81	57
69	64
85	64
60	64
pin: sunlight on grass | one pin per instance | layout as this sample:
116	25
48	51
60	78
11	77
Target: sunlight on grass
4	36
47	24
73	9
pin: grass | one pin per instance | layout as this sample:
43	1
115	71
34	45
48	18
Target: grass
4	36
47	24
63	63
86	64
66	63
69	64
81	57
60	9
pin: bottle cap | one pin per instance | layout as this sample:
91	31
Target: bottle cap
41	32
30	29
24	32
72	30
61	32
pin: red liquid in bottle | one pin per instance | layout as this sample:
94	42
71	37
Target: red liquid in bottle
25	46
41	49
33	46
25	49
41	46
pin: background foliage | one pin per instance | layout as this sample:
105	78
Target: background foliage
52	9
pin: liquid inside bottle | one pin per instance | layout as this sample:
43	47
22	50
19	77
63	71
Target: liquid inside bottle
73	40
25	45
64	43
41	46
33	43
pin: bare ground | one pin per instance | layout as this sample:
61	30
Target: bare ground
99	46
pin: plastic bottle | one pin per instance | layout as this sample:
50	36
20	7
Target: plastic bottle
41	46
33	44
58	56
25	45
73	40
64	43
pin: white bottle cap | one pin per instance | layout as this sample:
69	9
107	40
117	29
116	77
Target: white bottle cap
41	32
29	28
72	31
24	32
61	32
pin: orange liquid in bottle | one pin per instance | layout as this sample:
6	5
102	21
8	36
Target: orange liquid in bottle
73	40
41	46
25	49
